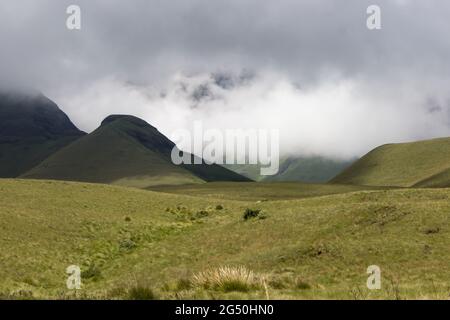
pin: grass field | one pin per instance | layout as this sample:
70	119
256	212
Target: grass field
142	244
259	191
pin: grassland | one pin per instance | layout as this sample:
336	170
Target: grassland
134	243
258	191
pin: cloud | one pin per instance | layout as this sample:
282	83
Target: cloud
334	119
310	68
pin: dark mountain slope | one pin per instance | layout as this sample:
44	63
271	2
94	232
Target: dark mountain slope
32	127
128	151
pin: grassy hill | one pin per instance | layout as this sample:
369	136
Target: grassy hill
422	163
127	151
133	243
31	128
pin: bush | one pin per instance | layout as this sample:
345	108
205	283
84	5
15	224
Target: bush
219	207
127	245
227	279
184	284
141	292
92	272
201	214
251	213
183	213
302	285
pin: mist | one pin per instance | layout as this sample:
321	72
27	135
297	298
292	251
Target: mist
311	69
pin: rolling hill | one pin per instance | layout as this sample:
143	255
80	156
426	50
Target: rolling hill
125	150
31	128
422	164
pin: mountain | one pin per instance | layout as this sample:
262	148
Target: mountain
31	128
416	164
125	150
305	169
308	169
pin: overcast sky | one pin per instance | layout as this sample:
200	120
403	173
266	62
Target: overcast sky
308	67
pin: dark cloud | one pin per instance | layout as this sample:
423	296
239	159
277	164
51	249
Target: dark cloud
144	49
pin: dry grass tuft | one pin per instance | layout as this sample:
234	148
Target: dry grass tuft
227	279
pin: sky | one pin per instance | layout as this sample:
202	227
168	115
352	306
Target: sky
310	68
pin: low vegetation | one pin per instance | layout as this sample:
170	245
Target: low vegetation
311	247
227	279
252	213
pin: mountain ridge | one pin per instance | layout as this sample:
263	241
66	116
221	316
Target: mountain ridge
32	127
131	153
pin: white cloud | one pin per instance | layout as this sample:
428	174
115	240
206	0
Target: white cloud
340	118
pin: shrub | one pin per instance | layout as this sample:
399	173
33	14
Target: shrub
184	284
141	292
127	245
302	285
183	213
251	213
219	207
92	272
227	279
432	230
202	214
127	219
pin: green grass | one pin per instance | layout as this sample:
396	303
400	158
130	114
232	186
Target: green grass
422	163
314	247
259	191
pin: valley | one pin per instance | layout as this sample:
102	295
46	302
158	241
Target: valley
137	226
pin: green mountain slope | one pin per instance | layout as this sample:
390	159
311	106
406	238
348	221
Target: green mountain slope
422	163
308	169
31	128
125	150
296	169
439	180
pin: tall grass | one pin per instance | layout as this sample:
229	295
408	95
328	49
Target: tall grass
227	279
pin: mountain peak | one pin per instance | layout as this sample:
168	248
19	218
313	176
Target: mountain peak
127	118
31	114
32	127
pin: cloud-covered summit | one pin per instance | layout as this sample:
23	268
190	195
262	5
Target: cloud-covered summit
310	67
